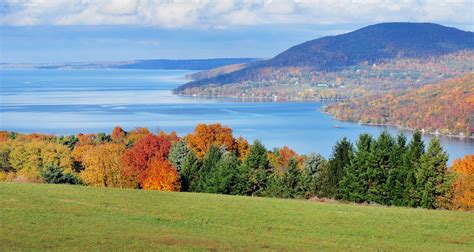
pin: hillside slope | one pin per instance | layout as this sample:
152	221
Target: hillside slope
59	217
369	45
447	107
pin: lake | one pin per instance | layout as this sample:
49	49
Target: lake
90	101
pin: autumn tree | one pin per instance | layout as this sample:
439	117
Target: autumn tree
161	175
242	148
103	166
464	183
135	135
118	134
137	158
204	136
280	157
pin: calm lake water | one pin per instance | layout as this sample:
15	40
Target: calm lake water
89	101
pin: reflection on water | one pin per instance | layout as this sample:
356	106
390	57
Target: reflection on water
72	101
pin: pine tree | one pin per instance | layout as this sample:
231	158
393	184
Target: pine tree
354	184
254	171
415	150
178	153
432	180
395	184
189	172
312	174
205	180
338	162
379	167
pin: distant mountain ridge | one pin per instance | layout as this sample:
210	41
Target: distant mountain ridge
182	64
370	45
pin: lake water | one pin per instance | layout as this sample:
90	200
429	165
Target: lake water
89	101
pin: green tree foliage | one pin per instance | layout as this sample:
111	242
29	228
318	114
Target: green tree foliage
178	153
354	185
379	168
53	174
416	148
254	171
432	179
340	159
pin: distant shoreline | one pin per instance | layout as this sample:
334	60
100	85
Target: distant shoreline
262	99
402	128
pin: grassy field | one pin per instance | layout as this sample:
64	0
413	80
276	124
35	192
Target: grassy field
61	217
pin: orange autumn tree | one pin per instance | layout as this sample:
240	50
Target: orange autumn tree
161	175
464	184
136	134
118	134
279	159
204	136
139	166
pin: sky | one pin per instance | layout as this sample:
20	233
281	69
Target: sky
108	30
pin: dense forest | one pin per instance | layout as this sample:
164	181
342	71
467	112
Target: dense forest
387	170
446	107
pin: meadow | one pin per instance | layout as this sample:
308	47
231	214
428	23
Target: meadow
62	217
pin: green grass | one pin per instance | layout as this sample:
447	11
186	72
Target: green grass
61	217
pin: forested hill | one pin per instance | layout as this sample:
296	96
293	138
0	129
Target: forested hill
446	107
368	45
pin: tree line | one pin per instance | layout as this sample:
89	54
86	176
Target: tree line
387	170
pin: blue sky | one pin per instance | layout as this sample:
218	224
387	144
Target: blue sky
87	30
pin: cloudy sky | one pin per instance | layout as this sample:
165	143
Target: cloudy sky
81	30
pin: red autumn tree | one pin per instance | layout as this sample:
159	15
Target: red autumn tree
204	136
161	175
137	158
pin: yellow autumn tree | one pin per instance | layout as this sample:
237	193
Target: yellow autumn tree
29	158
103	166
464	184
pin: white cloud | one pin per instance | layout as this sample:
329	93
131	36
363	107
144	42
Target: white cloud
224	13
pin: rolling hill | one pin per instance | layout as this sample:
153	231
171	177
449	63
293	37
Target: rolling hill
446	107
60	217
369	45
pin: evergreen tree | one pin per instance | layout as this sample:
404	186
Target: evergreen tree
254	171
312	174
354	185
189	172
415	150
432	180
205	180
223	177
395	184
291	179
178	153
53	174
379	167
339	160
